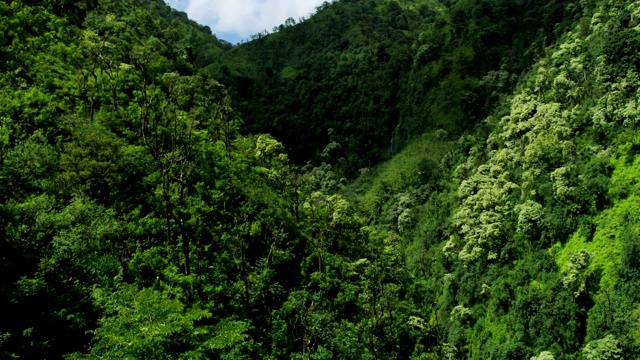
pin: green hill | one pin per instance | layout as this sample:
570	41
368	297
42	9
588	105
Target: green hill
379	73
462	183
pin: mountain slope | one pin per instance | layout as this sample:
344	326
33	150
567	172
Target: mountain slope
106	131
530	243
140	219
378	73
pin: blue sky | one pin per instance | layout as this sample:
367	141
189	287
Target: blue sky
236	20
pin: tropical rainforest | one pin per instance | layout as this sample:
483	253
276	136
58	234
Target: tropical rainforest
415	179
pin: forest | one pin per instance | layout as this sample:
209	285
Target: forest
415	179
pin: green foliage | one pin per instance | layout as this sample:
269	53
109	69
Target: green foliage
545	355
603	349
136	221
140	324
575	280
430	65
418	161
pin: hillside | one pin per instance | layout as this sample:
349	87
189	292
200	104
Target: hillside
456	180
379	73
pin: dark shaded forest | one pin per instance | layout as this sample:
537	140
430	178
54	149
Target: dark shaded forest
419	179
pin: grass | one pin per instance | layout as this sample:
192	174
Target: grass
397	173
607	242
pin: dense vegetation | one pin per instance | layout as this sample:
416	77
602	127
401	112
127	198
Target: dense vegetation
146	213
378	73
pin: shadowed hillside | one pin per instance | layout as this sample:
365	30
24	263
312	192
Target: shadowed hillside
381	72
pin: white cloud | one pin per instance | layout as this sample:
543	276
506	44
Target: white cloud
243	18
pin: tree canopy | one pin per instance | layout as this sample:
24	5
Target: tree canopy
425	179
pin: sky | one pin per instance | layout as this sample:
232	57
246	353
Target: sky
236	20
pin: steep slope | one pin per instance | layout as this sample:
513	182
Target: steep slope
114	151
379	73
529	246
137	222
